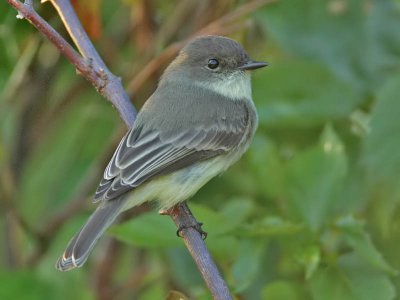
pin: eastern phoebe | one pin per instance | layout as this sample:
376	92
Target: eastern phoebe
199	121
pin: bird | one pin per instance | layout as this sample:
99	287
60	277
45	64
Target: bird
198	122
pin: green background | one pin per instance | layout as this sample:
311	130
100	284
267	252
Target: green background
310	212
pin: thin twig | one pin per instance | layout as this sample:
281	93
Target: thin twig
77	33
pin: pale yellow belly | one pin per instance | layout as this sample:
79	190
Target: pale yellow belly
176	187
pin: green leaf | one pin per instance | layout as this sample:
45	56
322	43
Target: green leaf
324	31
175	295
222	247
58	165
315	178
310	258
269	226
154	291
149	230
266	166
182	267
219	223
281	290
29	285
360	241
301	94
24	285
380	154
351	279
237	210
247	266
8	130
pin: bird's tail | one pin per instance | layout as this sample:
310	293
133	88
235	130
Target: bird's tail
83	242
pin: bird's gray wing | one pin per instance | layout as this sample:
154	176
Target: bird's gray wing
144	154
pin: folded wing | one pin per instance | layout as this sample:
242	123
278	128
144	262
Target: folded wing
144	154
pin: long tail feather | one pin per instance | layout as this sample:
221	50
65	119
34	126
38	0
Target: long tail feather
83	242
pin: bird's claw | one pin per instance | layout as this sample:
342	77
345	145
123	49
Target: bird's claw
197	227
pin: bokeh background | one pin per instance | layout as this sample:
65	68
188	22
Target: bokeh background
310	212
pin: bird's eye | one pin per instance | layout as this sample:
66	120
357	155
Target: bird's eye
213	63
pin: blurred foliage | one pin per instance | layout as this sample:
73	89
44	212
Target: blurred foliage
310	212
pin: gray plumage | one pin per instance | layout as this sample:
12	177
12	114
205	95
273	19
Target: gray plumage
196	124
158	146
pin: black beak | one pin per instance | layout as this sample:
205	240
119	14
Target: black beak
252	65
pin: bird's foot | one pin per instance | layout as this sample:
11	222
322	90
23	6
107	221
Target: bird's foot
197	226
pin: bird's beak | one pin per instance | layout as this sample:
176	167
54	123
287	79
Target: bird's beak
252	65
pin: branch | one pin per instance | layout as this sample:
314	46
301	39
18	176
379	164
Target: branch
112	87
89	65
93	69
183	218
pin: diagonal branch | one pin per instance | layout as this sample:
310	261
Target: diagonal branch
93	69
182	215
112	87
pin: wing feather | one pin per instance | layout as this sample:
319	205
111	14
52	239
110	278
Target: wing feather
145	153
